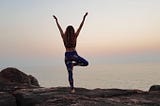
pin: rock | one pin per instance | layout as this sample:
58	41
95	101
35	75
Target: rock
154	88
61	96
16	76
12	79
20	89
33	80
7	99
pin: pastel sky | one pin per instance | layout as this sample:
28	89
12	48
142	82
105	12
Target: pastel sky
114	30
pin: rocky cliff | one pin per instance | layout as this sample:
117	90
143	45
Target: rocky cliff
20	89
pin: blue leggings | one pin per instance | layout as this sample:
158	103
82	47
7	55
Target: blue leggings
73	59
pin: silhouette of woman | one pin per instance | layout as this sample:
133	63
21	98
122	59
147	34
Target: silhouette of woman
71	57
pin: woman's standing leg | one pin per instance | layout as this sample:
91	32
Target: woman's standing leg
70	72
72	59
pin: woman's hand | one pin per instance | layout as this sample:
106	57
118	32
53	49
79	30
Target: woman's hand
85	15
54	17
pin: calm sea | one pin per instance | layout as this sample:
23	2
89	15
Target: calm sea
125	76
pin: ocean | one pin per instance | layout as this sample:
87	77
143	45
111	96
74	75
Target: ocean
124	76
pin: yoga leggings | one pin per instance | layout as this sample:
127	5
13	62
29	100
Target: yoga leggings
73	59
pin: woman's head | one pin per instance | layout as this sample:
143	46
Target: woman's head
70	33
70	30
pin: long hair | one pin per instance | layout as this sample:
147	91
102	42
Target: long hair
70	33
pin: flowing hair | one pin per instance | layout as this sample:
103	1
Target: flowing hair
70	34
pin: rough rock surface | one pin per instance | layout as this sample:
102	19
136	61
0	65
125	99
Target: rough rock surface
61	96
7	99
20	89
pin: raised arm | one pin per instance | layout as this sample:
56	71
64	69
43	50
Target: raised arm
80	27
59	27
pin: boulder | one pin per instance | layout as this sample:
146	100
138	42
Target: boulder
12	79
16	76
154	88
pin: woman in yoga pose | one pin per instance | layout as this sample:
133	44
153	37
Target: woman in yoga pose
71	57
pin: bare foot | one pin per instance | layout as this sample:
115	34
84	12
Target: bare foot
73	91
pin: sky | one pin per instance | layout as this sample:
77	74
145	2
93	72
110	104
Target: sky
115	31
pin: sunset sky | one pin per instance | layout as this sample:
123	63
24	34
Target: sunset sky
114	30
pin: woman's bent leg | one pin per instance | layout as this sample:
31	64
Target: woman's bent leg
80	61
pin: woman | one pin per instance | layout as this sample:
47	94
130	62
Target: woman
71	57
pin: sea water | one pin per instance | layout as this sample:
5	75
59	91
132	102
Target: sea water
124	76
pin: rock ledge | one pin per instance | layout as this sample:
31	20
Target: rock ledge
21	89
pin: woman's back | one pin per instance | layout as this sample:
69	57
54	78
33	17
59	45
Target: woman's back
70	37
